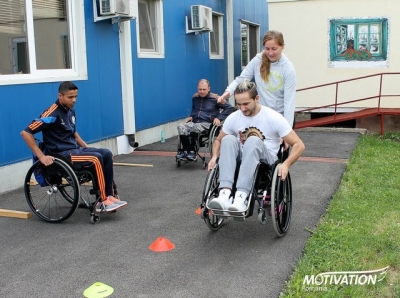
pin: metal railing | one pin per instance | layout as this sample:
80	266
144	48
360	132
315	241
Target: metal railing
335	105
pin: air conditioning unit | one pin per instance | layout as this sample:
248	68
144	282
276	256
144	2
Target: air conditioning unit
111	7
201	17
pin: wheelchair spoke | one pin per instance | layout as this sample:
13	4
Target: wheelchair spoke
59	198
213	221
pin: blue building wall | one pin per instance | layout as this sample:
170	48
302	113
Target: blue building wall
99	106
164	87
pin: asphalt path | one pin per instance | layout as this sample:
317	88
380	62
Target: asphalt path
242	259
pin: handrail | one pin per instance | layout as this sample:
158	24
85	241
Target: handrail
336	104
341	103
348	80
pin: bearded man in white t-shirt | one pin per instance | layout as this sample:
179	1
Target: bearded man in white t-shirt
251	133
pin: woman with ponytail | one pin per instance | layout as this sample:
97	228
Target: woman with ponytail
274	76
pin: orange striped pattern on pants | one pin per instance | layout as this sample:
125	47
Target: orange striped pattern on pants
98	168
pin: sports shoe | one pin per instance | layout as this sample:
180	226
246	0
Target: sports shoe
117	201
222	202
191	156
181	154
106	206
238	204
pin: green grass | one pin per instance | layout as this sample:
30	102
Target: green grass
361	228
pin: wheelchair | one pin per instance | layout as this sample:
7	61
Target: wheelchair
204	139
273	197
54	192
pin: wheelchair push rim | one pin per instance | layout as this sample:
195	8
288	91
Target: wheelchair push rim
58	199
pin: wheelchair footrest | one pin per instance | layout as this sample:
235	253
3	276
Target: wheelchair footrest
228	213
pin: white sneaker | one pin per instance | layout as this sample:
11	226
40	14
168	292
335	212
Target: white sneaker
238	204
221	203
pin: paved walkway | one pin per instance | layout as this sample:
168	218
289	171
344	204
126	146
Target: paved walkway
38	259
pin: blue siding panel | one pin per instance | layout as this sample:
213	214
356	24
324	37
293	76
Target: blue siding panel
253	11
174	78
19	107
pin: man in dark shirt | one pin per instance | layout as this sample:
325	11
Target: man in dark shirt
205	110
57	125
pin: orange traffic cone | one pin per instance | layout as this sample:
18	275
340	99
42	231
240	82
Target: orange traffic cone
198	211
161	244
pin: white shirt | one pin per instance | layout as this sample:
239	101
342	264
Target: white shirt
271	124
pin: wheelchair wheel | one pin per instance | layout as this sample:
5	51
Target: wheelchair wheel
213	135
281	203
58	199
213	221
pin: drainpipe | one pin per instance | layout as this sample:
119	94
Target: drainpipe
230	45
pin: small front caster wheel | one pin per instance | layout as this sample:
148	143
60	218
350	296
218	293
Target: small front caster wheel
95	218
261	218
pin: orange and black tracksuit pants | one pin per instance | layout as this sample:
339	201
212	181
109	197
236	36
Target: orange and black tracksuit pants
100	161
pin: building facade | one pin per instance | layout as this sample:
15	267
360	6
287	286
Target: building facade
136	65
339	40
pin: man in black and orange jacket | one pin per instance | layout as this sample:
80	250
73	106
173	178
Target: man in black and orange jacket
57	125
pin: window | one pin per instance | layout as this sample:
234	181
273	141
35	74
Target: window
150	29
249	41
37	39
358	40
19	56
217	38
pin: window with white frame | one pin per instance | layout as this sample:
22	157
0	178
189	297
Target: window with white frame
363	39
250	42
37	40
150	29
217	38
